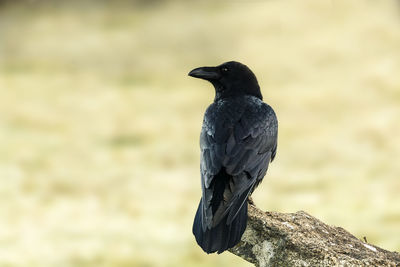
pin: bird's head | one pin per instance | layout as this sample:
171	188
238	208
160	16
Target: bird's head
229	79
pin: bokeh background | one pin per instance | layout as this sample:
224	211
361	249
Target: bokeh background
99	122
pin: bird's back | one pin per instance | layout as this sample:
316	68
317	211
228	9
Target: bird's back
238	140
248	112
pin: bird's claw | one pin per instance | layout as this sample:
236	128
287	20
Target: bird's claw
250	201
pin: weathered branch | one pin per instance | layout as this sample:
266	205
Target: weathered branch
298	239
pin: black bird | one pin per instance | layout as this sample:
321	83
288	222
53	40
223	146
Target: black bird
238	141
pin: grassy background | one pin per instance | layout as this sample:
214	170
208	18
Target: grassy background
99	124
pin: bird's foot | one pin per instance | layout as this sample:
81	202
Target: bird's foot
250	200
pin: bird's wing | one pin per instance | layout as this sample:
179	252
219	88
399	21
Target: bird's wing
234	158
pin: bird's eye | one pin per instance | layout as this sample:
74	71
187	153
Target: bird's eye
224	69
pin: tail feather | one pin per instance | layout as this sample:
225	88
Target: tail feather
222	236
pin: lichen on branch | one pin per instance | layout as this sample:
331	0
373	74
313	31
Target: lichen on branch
299	239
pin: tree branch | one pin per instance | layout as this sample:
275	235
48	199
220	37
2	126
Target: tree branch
298	239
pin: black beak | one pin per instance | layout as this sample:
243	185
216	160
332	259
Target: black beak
206	73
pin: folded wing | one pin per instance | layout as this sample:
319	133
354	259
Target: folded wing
235	153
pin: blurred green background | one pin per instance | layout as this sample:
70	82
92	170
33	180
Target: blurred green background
99	122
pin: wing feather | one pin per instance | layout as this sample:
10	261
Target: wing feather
238	144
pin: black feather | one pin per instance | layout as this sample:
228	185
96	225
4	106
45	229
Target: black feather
223	236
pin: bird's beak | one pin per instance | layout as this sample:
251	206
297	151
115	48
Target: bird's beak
206	73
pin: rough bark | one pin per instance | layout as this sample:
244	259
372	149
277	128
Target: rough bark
298	239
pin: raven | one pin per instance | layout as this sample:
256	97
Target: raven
238	140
